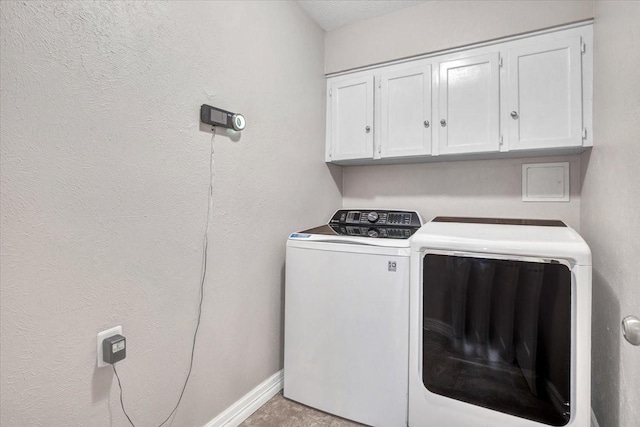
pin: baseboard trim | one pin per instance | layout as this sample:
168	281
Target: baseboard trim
235	414
594	420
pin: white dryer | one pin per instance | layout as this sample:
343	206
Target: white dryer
500	324
347	316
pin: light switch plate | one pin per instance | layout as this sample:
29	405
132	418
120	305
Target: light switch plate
545	182
116	330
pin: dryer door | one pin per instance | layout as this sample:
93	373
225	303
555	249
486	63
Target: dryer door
496	333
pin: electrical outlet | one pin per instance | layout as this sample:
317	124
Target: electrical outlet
117	330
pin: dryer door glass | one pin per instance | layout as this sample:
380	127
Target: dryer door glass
497	334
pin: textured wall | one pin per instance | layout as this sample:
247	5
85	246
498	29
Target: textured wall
438	25
104	181
610	215
490	188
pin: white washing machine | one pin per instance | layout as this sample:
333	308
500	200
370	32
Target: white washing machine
347	316
500	324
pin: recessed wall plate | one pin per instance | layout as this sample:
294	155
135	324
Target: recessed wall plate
116	330
545	182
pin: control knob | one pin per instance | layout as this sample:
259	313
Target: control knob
372	233
373	216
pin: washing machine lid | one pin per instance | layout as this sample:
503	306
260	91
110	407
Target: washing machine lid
548	239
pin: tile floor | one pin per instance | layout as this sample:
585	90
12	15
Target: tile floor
281	412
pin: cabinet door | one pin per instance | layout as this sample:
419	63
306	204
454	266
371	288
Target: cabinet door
352	119
468	111
544	95
405	112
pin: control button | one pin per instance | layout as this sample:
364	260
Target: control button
373	216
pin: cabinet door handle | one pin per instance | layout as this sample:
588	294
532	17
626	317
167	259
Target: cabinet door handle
443	122
368	129
426	123
514	115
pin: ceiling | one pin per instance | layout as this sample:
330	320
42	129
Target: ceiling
330	14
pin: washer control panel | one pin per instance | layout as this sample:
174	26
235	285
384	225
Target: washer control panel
380	224
394	218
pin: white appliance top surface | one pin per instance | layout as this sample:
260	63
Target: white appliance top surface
521	237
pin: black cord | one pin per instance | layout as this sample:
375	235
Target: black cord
195	334
121	402
204	274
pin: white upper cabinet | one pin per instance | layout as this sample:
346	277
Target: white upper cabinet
350	121
404	121
544	95
468	113
528	95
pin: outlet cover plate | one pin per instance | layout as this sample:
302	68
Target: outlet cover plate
101	337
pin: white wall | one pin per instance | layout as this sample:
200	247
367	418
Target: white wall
470	188
438	25
610	214
103	195
488	188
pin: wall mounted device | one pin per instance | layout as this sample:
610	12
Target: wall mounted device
114	349
101	338
218	117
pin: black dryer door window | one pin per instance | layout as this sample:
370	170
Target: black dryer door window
497	334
